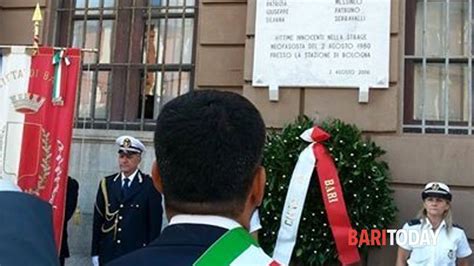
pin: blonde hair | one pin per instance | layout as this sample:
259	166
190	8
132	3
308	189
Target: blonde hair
447	216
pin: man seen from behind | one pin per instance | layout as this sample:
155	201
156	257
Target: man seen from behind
208	147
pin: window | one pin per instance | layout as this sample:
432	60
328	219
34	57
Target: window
438	67
145	57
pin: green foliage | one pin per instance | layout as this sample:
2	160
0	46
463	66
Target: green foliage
364	180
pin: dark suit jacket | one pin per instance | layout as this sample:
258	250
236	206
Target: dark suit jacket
71	204
178	245
26	231
133	222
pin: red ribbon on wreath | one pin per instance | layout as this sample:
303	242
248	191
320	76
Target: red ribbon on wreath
333	198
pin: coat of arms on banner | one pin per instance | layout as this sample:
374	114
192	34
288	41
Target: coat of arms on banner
39	148
19	139
12	152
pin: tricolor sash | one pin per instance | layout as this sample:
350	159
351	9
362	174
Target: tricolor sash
236	248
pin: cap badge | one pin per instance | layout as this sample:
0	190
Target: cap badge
126	143
435	187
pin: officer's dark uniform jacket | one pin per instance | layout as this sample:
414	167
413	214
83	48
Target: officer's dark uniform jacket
72	191
123	224
179	245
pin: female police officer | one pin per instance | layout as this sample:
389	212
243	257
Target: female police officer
450	246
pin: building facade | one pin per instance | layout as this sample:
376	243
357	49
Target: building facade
151	51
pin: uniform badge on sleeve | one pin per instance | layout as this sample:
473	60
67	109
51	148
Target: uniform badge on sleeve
451	254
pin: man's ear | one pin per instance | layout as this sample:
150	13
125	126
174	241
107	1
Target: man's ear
156	177
258	187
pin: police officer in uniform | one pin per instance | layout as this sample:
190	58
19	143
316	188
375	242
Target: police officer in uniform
451	246
128	210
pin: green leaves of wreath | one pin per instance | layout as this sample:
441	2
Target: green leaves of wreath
363	177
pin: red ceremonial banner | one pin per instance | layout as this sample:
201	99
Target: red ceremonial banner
49	131
333	198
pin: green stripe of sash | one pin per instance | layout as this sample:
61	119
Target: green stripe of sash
57	74
227	248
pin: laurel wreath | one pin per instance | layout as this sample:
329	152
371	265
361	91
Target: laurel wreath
45	163
364	178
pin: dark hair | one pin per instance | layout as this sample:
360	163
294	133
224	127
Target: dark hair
208	145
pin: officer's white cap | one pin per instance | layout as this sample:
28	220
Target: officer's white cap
436	189
130	144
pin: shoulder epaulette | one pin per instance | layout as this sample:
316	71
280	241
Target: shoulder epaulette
458	226
111	176
414	222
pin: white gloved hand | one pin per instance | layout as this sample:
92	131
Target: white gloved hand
95	260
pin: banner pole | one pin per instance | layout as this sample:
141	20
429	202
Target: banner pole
37	18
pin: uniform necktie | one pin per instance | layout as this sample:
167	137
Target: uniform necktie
126	186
